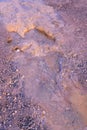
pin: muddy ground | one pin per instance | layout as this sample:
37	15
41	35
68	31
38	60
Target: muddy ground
43	65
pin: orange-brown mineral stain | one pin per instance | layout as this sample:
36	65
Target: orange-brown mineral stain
79	103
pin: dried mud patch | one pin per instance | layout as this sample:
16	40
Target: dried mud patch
43	65
16	112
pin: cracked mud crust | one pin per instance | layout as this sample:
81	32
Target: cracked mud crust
43	65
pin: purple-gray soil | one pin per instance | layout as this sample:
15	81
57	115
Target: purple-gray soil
43	65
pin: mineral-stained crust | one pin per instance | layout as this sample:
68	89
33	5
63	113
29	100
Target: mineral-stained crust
43	65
